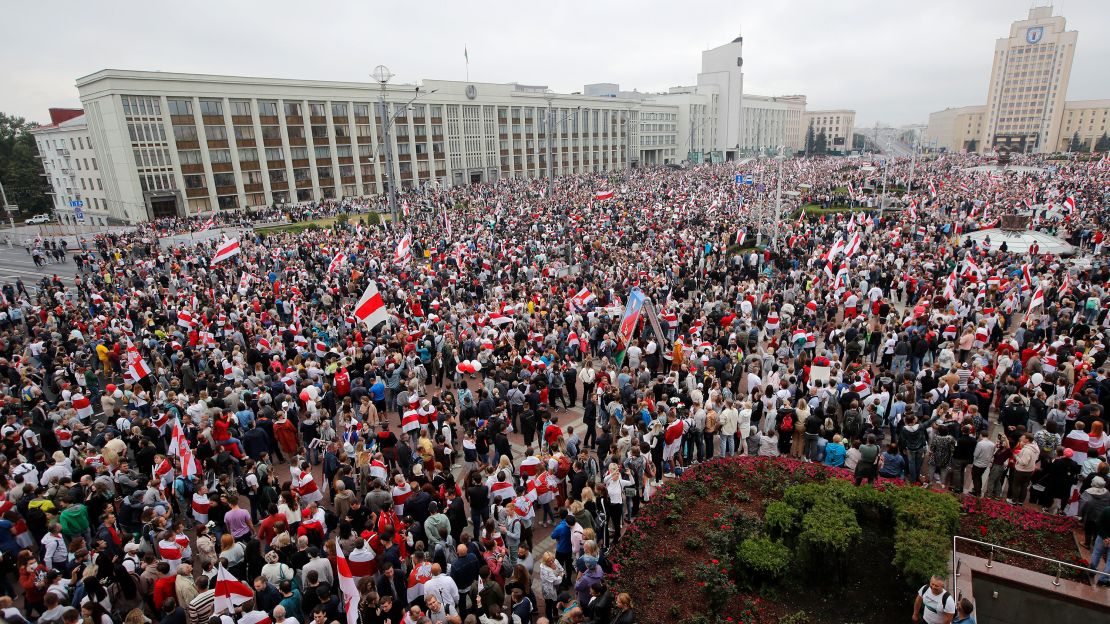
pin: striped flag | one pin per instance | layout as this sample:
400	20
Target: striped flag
208	224
338	261
348	590
226	250
259	617
370	308
403	254
1036	302
603	195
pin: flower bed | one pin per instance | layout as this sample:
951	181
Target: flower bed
1016	527
732	541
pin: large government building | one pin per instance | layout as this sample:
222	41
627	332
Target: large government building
1026	109
154	144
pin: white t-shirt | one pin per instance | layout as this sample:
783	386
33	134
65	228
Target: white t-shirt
936	605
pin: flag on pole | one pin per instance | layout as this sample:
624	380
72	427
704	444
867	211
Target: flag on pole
932	190
404	250
741	236
209	223
950	286
405	208
1036	302
347	588
446	223
230	592
337	262
1069	201
227	249
603	195
370	308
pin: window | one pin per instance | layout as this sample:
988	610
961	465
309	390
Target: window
223	179
277	175
95	168
418	110
342	131
402	130
362	110
295	132
316	109
403	149
400	112
78	163
83	184
338	109
343	151
248	154
319	132
271	132
99	184
300	175
268	108
244	132
211	107
346	171
274	153
189	157
362	131
180	107
365	151
215	133
241	108
437	110
228	202
219	156
298	153
323	152
292	109
405	167
252	177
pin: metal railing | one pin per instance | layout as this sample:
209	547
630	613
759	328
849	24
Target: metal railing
1060	565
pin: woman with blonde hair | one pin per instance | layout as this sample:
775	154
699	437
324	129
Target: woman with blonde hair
625	614
551	576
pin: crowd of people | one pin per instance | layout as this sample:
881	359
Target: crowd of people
174	420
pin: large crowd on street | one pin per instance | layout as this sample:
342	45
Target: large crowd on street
452	415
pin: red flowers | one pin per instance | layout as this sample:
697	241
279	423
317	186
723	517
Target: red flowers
983	530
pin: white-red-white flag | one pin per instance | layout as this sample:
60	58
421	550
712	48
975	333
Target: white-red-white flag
404	250
255	617
209	223
950	286
348	591
230	592
603	195
370	309
1037	301
338	261
226	250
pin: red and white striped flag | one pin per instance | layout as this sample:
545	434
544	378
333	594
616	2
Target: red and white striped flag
226	250
932	190
259	617
348	590
950	286
1036	302
82	405
185	318
244	282
741	236
370	308
403	254
1065	285
420	574
583	297
603	195
405	208
1069	201
208	224
338	261
201	505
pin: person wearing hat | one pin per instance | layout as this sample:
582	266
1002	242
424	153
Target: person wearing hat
1091	503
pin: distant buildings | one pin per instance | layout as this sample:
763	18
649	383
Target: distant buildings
1026	109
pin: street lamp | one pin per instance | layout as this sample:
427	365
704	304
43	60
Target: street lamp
382	75
550	129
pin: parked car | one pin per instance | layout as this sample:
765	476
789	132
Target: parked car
39	218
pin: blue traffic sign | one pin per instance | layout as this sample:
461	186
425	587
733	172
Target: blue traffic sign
80	214
76	203
739	179
749	180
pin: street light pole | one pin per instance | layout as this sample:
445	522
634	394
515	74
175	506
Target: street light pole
550	165
778	200
382	75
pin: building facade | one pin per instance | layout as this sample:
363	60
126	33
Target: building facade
1029	83
695	111
186	144
955	129
1086	118
838	126
722	71
770	122
69	162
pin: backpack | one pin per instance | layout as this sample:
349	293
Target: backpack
851	423
787	423
241	485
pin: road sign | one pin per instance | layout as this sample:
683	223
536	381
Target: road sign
739	178
80	214
76	203
749	180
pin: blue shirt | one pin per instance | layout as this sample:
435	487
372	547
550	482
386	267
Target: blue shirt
561	535
377	392
245	417
834	454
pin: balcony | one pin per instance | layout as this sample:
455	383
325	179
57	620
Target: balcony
196	192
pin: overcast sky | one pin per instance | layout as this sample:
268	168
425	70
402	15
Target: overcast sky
893	62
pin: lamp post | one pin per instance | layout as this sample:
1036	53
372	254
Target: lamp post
382	75
778	199
553	123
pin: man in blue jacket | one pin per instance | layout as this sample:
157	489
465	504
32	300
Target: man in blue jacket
561	535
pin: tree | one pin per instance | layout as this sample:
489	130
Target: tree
1103	143
20	169
809	140
1076	145
820	143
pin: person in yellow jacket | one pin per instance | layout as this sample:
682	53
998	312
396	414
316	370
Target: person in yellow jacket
102	353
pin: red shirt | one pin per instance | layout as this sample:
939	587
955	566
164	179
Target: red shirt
164	588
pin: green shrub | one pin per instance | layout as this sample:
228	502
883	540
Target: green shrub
727	531
920	508
678	574
868	499
921	553
693	543
342	219
716	583
798	617
781	519
829	531
767	560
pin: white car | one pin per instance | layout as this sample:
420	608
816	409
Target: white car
40	218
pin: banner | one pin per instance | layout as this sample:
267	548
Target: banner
629	320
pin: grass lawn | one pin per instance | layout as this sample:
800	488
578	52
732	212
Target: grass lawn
816	209
325	222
